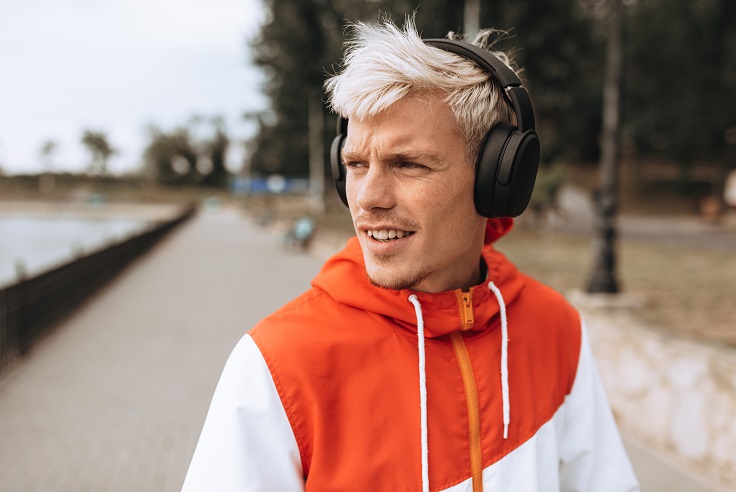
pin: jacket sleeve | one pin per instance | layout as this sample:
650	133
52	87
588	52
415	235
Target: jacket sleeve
247	443
592	455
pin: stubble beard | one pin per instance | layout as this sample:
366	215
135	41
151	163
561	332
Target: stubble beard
398	282
391	282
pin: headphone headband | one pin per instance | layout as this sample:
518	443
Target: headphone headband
509	81
481	57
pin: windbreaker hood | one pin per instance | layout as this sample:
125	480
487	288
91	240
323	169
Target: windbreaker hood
344	278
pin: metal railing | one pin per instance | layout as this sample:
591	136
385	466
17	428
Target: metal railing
32	307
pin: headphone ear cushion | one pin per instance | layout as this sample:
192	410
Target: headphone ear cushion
505	172
338	170
486	169
518	172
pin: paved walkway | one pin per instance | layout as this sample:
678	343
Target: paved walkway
115	398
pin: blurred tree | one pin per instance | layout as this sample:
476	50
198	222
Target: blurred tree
46	179
170	156
681	86
289	48
212	151
48	149
194	153
100	150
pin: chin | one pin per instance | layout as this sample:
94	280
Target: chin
393	280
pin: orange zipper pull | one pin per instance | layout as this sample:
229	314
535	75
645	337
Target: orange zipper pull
465	303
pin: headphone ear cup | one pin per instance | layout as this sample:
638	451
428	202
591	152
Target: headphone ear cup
518	172
506	171
486	169
338	170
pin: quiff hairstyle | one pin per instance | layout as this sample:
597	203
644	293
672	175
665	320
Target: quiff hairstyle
384	63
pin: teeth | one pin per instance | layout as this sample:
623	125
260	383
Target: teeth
385	234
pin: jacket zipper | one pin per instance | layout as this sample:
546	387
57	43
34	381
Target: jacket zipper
471	391
465	303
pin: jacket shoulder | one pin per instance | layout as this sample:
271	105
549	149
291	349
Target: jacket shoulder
550	331
305	328
551	305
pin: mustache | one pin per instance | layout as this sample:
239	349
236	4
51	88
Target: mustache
380	216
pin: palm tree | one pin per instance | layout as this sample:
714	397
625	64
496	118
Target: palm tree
100	148
48	149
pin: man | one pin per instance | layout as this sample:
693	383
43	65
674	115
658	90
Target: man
421	359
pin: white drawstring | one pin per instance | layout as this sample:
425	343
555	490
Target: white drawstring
422	392
423	376
504	359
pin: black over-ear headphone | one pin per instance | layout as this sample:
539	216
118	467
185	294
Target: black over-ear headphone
509	156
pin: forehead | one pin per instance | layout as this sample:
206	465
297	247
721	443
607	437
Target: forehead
416	123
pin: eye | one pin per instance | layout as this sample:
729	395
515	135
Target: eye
354	164
411	165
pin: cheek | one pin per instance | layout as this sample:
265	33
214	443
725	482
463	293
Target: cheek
350	194
450	211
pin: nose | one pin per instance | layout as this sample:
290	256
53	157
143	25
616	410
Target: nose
373	189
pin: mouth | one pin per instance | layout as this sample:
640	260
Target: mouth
385	235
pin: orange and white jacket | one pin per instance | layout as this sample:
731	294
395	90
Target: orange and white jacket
355	388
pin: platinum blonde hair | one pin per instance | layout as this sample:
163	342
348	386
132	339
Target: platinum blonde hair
384	63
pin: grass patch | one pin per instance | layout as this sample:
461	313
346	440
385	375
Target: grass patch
687	291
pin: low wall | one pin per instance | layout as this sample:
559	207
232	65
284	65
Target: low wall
31	307
675	395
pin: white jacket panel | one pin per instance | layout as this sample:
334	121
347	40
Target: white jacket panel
246	443
578	450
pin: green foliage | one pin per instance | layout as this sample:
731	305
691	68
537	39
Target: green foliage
681	88
561	59
290	49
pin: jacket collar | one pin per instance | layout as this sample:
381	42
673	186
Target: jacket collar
344	278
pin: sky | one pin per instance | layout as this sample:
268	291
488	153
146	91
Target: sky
118	66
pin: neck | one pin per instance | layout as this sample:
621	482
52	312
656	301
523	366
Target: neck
458	278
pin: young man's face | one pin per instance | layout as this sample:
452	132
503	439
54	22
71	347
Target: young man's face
410	192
